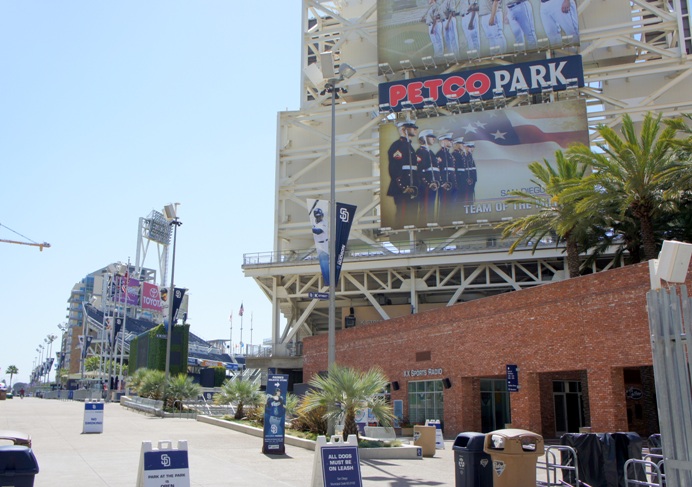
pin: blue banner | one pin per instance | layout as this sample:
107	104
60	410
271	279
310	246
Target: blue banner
344	219
533	76
275	415
512	378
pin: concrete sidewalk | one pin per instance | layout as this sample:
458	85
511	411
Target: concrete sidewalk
217	456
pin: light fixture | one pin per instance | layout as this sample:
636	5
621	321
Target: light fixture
428	62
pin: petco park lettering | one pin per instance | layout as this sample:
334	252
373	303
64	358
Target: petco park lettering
558	73
422	372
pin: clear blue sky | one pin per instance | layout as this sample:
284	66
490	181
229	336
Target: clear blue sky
109	110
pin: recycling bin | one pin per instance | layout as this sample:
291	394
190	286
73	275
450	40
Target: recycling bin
514	453
473	466
424	437
18	466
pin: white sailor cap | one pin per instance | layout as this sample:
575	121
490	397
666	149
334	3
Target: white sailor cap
459	140
407	123
426	133
446	136
470	144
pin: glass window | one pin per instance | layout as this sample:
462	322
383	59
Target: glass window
425	401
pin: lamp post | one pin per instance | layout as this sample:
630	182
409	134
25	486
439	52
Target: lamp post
40	362
345	72
171	212
49	341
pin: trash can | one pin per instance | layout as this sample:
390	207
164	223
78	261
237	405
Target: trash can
3	394
514	453
473	465
424	437
18	466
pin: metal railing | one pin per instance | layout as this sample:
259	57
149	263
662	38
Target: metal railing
386	250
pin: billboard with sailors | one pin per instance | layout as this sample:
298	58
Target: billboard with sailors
460	168
420	33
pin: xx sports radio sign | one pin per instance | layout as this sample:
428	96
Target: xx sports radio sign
558	73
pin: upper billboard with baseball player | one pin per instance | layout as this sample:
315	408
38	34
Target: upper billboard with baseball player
421	31
461	168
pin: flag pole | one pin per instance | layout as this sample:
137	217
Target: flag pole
230	344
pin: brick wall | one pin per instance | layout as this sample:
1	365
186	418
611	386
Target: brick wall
595	325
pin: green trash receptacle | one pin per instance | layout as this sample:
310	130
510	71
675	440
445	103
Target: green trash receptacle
514	453
18	466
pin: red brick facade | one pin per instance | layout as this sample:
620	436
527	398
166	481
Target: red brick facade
589	328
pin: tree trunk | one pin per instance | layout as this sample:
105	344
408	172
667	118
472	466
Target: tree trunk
648	238
239	411
573	261
350	426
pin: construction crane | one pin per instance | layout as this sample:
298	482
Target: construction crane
40	246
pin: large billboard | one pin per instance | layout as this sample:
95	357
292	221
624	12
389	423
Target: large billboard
456	169
418	33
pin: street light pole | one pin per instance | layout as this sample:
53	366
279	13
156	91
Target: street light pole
171	292
345	71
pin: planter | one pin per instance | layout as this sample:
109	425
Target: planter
407	431
404	452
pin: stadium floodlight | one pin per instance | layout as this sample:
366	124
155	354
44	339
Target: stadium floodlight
157	229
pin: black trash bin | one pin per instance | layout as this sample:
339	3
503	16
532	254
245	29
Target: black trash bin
18	466
472	465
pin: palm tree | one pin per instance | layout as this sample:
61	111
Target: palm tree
137	379
153	384
630	175
554	215
350	389
239	392
12	370
179	388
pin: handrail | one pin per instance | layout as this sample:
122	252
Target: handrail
427	247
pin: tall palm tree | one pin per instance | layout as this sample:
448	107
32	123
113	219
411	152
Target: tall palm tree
12	370
241	393
179	388
350	389
554	215
629	175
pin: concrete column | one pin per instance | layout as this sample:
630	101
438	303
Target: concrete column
607	399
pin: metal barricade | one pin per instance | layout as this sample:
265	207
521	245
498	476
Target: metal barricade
559	468
653	470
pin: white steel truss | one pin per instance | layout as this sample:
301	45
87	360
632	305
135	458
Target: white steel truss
636	58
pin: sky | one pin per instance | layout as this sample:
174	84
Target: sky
109	110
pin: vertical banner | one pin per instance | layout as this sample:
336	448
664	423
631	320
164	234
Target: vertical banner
275	415
319	220
86	345
178	295
344	219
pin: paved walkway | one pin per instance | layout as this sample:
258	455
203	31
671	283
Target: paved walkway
217	456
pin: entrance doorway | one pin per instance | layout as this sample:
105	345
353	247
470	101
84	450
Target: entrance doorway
495	406
569	411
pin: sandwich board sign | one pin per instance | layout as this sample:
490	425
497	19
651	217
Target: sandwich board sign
93	417
337	463
163	465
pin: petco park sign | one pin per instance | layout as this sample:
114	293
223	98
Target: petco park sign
534	76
